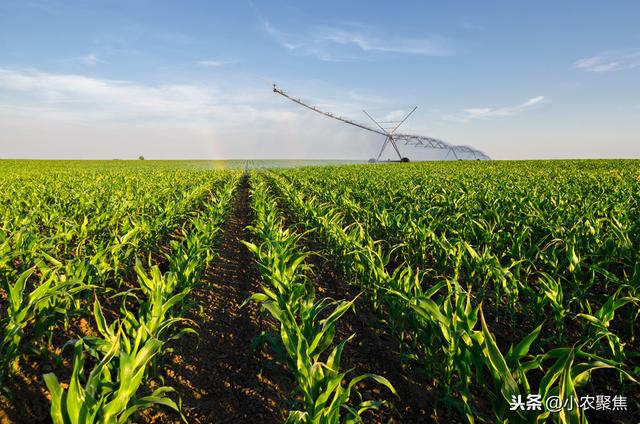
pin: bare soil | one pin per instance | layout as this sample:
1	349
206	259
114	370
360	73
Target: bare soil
218	378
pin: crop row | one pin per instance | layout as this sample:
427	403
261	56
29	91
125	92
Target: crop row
307	322
437	314
146	305
563	237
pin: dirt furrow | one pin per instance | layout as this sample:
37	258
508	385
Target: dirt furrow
218	378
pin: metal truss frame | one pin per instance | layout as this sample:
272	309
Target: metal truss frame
392	138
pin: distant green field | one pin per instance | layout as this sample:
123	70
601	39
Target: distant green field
7	165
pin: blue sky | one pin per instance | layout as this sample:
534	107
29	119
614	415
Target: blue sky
191	79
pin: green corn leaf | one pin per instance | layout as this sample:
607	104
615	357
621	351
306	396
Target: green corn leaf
509	387
57	397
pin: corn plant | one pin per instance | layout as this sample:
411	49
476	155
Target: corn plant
39	309
291	300
110	393
505	246
600	324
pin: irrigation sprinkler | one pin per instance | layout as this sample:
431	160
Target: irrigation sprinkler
391	137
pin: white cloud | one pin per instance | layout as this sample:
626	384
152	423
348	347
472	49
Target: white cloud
609	61
433	46
92	59
486	113
84	117
113	98
350	41
215	63
596	64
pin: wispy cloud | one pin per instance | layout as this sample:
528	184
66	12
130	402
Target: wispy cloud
597	64
129	100
92	59
347	41
609	61
301	46
501	112
432	46
84	117
114	99
215	63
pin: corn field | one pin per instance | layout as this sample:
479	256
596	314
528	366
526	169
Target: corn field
426	292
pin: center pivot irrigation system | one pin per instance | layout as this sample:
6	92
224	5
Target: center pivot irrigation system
392	138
